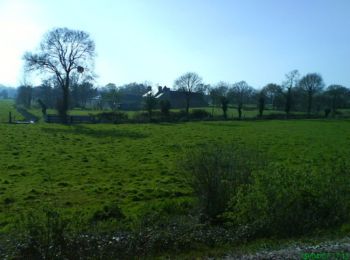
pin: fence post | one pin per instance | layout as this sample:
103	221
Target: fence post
10	118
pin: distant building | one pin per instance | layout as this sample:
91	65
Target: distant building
177	99
130	101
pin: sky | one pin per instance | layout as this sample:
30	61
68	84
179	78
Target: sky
258	41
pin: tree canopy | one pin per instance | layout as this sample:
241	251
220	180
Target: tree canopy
61	53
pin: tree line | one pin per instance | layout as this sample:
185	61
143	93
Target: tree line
305	94
300	94
81	95
65	59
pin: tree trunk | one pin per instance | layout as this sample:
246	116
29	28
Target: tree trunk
288	101
224	110
239	111
188	105
65	101
309	103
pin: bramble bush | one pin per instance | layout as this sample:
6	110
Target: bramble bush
200	114
215	172
284	201
236	187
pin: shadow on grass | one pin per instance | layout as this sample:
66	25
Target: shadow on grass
228	123
96	133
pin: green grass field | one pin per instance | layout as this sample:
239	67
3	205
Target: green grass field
80	169
83	167
6	106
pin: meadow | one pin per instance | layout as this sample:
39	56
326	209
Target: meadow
83	169
6	106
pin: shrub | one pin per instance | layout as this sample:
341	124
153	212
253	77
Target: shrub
112	117
48	237
44	235
284	201
199	114
215	172
108	212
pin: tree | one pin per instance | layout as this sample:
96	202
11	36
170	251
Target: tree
272	92
4	94
150	104
134	88
62	52
47	93
311	84
240	92
81	93
188	84
261	102
214	98
165	106
338	96
24	96
111	96
292	79
220	95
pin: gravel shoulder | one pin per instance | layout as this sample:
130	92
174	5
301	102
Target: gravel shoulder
338	249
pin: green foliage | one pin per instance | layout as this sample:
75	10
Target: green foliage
49	237
44	235
6	106
108	212
199	114
285	201
215	172
112	117
150	103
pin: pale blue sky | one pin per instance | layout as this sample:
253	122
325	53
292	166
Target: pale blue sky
258	41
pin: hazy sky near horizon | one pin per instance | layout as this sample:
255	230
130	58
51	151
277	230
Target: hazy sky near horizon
258	41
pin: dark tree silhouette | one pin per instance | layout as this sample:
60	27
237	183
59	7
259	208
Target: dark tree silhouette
81	93
240	92
261	102
150	104
165	106
311	84
220	95
338	96
24	96
62	52
292	79
189	83
272	92
111	96
4	94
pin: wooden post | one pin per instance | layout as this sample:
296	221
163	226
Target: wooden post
10	118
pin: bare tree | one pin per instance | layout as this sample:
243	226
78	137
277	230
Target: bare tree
62	52
240	92
292	79
311	84
188	84
220	95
